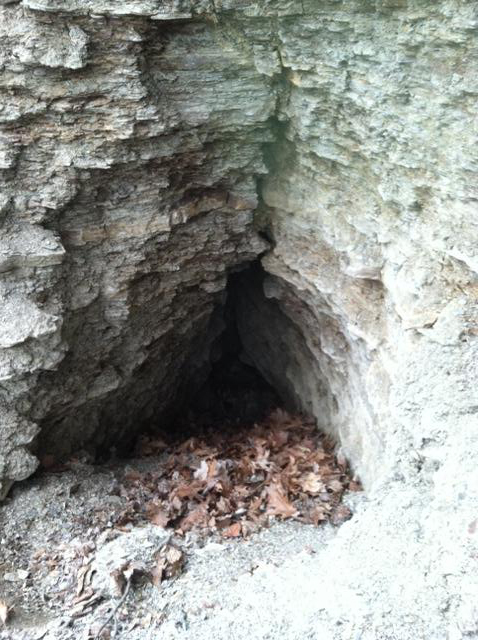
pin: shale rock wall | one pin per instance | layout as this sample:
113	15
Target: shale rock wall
372	207
138	138
144	143
130	151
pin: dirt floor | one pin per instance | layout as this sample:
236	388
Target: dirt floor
189	539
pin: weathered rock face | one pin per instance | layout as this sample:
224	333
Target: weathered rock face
130	154
138	138
372	206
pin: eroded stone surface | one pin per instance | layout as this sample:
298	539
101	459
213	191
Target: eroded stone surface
131	150
374	218
133	137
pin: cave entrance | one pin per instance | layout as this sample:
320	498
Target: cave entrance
239	450
235	392
241	454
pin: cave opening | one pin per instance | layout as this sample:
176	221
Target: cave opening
232	391
238	448
240	451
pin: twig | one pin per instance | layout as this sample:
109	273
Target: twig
115	610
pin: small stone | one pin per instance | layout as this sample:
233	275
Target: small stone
137	549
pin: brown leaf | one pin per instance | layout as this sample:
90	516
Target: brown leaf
158	571
282	466
174	559
119	580
214	467
311	483
255	504
341	461
234	531
340	515
151	446
188	490
319	456
168	564
279	437
196	517
176	503
316	515
336	486
133	475
355	486
223	505
158	516
223	522
82	574
278	504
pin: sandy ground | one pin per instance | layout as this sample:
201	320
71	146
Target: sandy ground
57	523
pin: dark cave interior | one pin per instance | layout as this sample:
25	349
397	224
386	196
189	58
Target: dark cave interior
234	392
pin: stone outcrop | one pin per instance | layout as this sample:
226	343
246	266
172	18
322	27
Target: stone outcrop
145	143
130	153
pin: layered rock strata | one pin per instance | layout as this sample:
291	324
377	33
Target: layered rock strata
130	151
139	141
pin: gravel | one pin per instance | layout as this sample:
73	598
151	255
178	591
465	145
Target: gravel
56	523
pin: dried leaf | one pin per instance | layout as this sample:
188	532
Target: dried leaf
311	483
151	446
234	531
119	580
282	467
316	515
336	486
133	476
188	490
223	522
340	515
341	461
279	437
158	516
174	559
158	571
223	505
214	467
168	564
196	517
82	573
278	504
176	503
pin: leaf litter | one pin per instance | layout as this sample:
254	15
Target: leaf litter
235	481
228	482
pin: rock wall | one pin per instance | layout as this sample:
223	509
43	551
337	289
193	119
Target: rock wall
130	149
371	202
134	138
143	145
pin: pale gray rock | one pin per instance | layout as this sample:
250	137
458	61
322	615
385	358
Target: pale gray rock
138	549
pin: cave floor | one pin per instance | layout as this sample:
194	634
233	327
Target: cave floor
80	539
